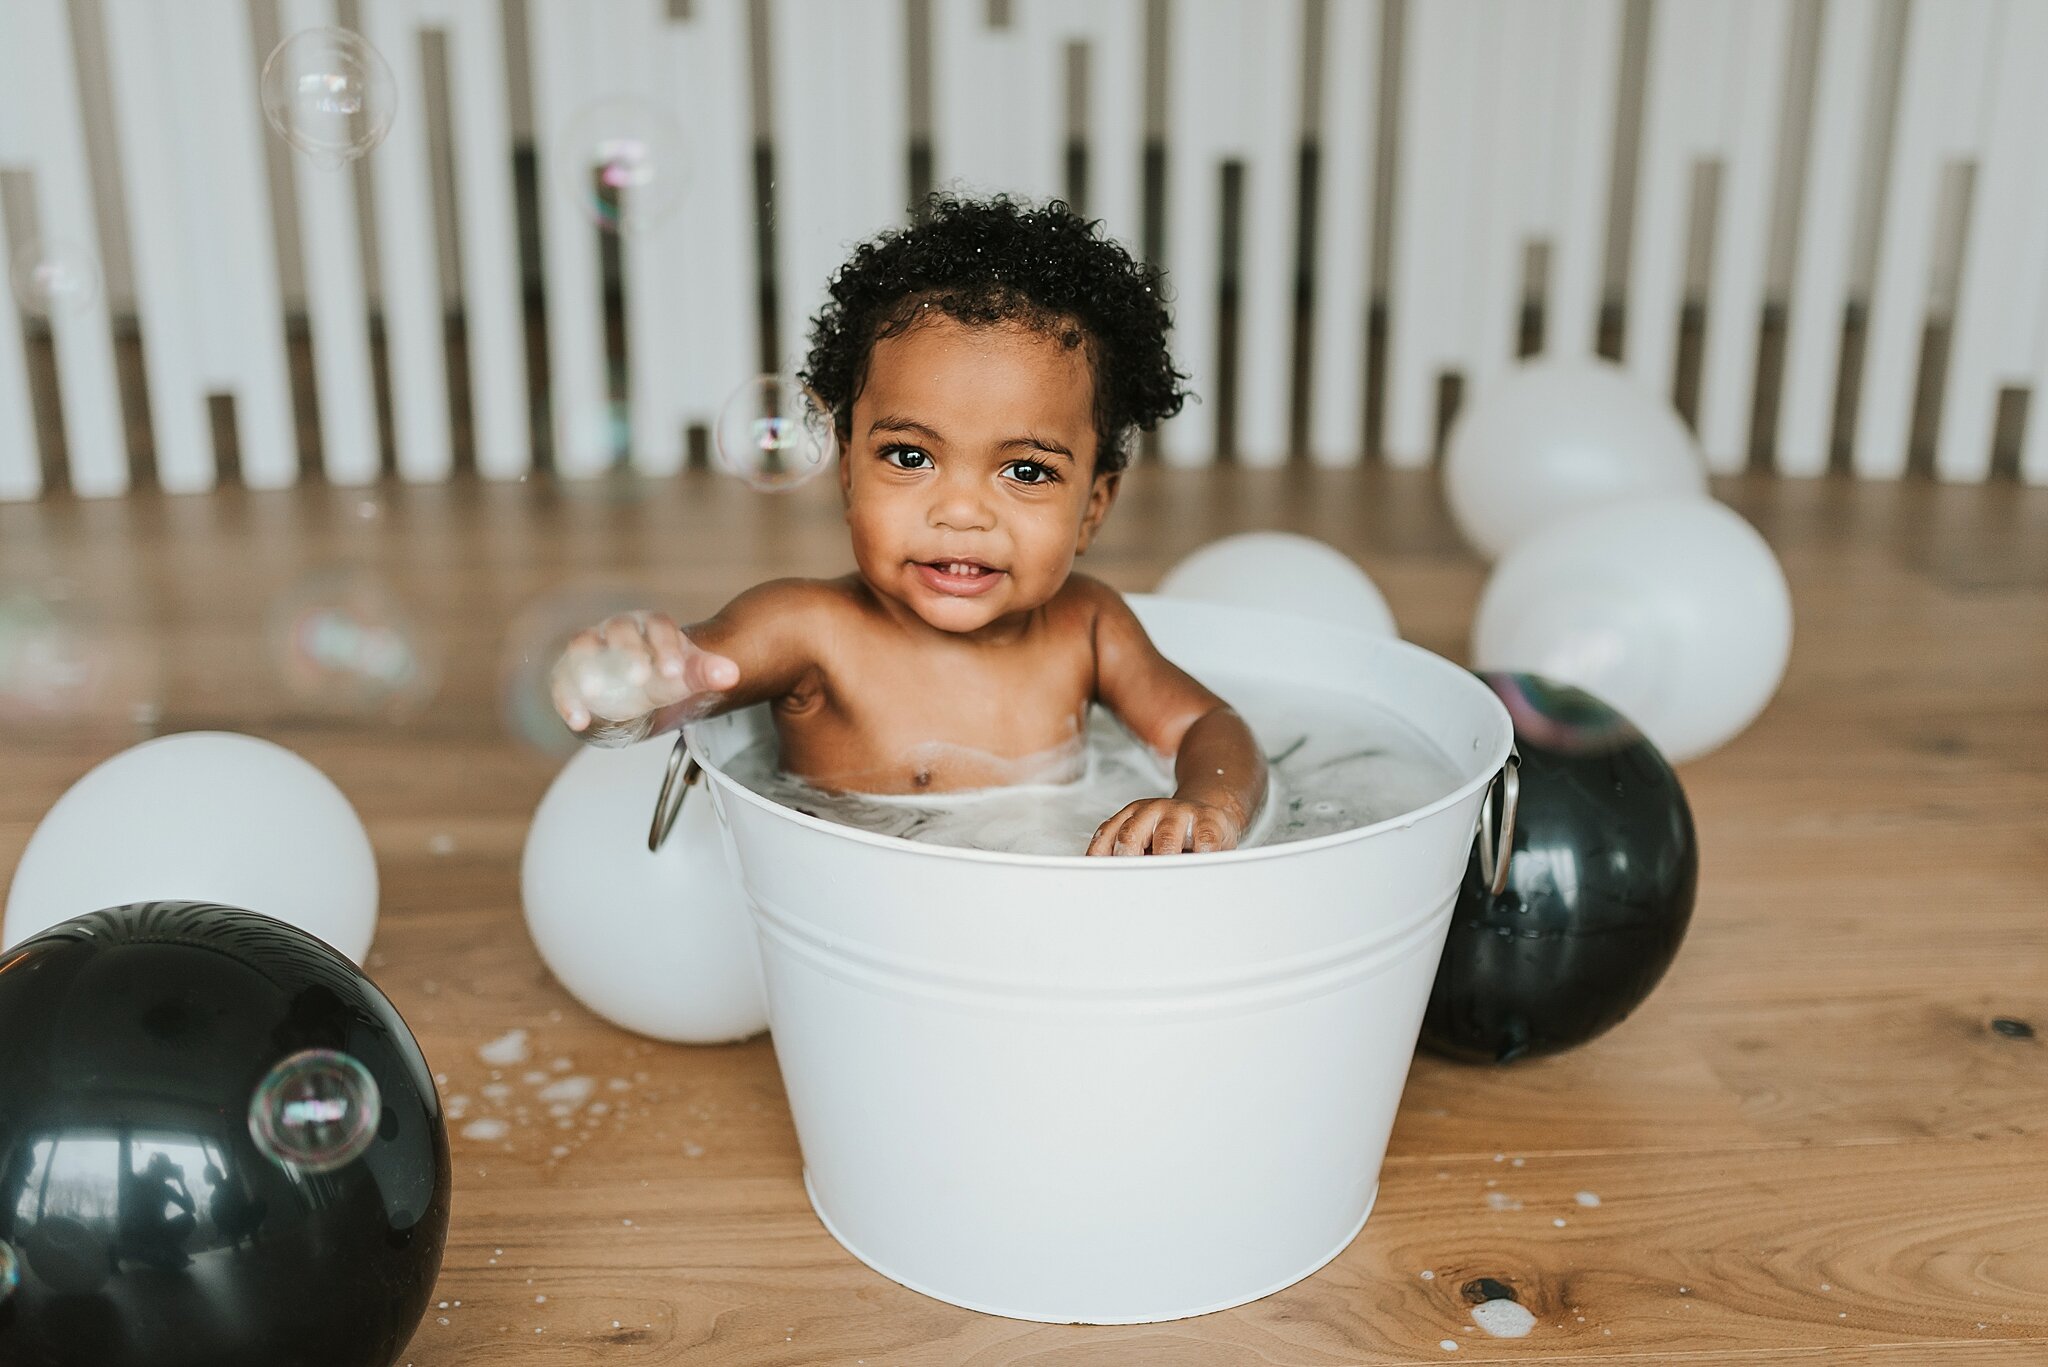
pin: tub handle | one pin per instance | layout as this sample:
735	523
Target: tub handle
669	805
1495	849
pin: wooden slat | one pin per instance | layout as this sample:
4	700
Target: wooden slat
1233	66
408	264
2005	250
21	474
156	131
1843	91
44	72
567	74
492	294
337	308
982	145
1750	90
1435	175
1940	114
1348	143
1589	71
841	164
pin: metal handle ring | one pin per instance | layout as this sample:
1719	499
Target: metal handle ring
669	805
1495	849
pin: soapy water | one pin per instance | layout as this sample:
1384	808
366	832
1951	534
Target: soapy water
1336	763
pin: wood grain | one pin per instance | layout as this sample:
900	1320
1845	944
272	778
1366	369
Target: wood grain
1812	1127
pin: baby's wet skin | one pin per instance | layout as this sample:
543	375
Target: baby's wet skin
964	653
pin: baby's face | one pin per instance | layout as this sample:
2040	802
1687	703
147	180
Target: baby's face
968	470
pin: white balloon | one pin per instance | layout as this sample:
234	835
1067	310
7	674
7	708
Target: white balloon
205	816
1557	437
659	943
1282	572
1672	610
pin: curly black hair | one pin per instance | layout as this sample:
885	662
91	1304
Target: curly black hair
1004	260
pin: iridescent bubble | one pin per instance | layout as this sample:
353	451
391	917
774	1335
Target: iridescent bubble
533	643
622	160
54	275
613	684
344	642
10	1270
329	94
1560	717
61	668
774	434
315	1111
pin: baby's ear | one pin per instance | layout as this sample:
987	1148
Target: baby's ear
1101	494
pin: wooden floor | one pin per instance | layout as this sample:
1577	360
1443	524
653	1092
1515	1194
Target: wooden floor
1811	1143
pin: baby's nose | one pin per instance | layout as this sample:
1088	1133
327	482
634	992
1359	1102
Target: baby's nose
960	508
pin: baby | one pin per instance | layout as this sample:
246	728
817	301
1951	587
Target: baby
985	371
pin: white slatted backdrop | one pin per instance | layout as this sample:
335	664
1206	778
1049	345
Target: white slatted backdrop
1676	169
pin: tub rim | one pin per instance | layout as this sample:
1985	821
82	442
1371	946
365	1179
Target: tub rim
1208	859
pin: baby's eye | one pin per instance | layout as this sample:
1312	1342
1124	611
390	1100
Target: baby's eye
1030	472
906	457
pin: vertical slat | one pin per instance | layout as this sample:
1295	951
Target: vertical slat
1344	216
1197	77
1588	72
565	60
231	213
2034	443
1438	133
1511	112
1843	89
1941	99
1750	103
161	144
1270	37
1115	35
492	300
842	165
1993	342
409	267
1683	67
1216	113
336	309
21	474
44	73
647	54
982	145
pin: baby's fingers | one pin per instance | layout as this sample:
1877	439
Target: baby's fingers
568	705
1171	834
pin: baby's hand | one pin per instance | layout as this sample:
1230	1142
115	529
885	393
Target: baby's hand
614	678
1167	825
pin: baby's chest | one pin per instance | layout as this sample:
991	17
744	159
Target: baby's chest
947	726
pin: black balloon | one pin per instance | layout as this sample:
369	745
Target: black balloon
1600	887
166	1198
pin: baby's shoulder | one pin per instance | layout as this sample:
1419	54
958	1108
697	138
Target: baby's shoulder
1086	600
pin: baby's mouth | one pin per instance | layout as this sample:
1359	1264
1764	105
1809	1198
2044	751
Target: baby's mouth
958	577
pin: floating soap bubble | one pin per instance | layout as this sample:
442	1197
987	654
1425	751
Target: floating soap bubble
622	161
342	641
315	1111
533	643
329	94
59	668
54	275
10	1270
612	683
774	434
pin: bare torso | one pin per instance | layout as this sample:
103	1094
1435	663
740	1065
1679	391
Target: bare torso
888	708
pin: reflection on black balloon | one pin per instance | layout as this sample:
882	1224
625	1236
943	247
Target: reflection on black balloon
131	1187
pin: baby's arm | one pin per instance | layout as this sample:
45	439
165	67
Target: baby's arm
1221	775
643	674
